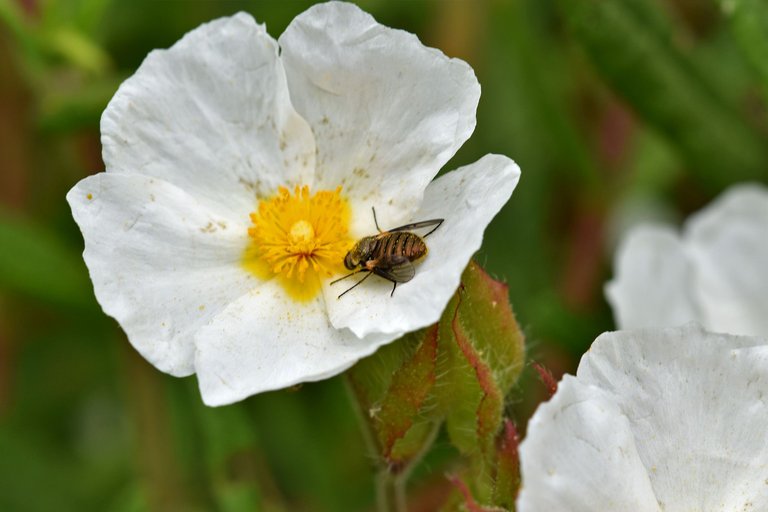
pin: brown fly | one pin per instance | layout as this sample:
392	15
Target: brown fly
389	254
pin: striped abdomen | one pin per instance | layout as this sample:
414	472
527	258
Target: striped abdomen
401	243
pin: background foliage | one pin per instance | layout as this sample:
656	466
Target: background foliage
616	111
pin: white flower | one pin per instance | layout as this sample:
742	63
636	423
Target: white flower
716	272
240	170
664	420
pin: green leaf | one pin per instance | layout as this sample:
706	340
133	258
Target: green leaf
67	108
77	48
640	62
232	458
12	17
34	479
34	262
749	21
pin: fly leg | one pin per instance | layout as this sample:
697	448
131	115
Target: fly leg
354	285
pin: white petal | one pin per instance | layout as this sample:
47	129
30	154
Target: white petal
697	404
467	199
162	264
265	341
652	282
387	112
728	243
211	115
580	456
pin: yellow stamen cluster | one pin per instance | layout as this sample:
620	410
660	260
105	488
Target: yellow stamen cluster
299	238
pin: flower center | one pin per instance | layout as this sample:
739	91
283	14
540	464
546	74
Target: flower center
299	238
302	232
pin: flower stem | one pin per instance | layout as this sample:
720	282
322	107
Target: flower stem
390	481
162	476
390	487
390	492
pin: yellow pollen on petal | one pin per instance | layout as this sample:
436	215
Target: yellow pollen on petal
299	238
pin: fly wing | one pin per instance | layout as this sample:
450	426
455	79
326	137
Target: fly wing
395	268
433	223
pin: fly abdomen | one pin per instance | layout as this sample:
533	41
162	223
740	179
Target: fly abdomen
402	243
415	248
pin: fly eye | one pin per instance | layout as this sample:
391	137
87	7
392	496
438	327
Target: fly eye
348	261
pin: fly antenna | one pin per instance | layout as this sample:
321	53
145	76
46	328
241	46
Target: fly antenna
374	220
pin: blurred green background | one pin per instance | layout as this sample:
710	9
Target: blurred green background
615	110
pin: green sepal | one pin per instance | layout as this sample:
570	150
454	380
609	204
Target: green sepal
393	388
458	371
402	428
507	478
484	355
482	352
